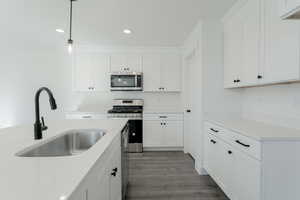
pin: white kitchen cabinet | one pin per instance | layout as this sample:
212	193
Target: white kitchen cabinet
241	46
162	72
104	179
152	134
162	133
173	133
125	63
232	52
217	153
151	72
171	72
247	177
211	157
115	181
259	47
98	187
282	43
236	173
90	72
289	9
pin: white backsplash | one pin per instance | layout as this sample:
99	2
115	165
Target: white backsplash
102	101
278	104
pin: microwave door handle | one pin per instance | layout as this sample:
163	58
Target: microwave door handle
136	77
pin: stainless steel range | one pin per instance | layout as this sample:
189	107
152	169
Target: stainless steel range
131	109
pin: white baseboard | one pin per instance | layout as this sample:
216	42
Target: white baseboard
163	148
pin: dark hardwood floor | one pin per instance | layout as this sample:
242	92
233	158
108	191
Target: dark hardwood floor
168	176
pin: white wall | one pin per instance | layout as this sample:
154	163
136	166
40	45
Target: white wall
22	73
216	100
24	70
102	101
278	104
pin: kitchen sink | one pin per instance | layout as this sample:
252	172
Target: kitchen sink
70	143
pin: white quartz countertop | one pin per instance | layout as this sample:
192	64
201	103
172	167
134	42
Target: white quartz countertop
48	178
255	130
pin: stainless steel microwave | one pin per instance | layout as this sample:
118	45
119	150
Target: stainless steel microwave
126	81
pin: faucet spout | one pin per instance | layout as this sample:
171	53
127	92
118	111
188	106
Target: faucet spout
38	126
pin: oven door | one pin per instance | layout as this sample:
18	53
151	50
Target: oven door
125	82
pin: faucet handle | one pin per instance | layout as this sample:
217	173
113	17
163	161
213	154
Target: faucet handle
44	127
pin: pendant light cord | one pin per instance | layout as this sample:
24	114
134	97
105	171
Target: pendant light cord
71	18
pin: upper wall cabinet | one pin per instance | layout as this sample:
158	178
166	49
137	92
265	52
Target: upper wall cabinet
289	9
259	47
241	48
162	72
125	63
282	43
90	72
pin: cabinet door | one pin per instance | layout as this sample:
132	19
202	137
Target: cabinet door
227	172
211	156
82	72
232	51
134	62
118	63
115	177
171	72
153	133
173	134
151	72
247	177
242	45
100	72
125	63
99	187
251	21
281	46
91	72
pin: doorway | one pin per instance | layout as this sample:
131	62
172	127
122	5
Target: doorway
193	128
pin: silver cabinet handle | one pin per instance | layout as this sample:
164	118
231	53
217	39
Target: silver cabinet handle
87	117
163	117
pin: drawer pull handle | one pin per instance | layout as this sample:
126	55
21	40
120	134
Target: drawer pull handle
87	117
239	142
214	130
114	172
213	141
229	152
163	117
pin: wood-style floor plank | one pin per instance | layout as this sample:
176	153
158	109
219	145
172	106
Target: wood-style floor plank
168	176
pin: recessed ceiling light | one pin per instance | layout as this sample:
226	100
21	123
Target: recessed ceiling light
127	31
60	30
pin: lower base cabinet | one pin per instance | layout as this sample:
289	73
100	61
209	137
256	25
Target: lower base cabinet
253	168
103	182
236	173
162	131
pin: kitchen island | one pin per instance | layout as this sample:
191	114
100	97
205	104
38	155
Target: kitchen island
51	178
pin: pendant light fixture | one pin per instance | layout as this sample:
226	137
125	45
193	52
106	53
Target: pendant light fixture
70	40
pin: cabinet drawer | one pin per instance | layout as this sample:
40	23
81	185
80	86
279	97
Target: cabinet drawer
216	130
245	144
86	116
163	117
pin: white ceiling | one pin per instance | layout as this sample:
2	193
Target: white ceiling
153	22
